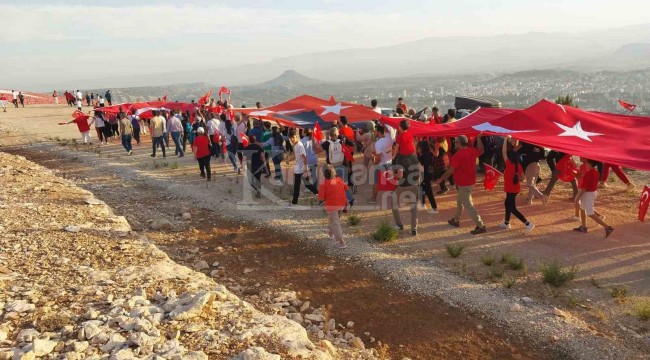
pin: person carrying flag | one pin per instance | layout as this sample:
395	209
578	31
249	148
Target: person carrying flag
513	175
586	198
84	127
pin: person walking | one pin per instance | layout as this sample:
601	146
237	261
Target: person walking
87	98
3	102
531	156
255	164
311	150
14	95
463	168
157	129
276	141
586	198
382	158
201	150
425	157
109	97
552	158
126	129
513	175
619	172
266	135
83	124
407	173
176	129
55	96
135	123
332	193
100	125
21	98
187	129
301	168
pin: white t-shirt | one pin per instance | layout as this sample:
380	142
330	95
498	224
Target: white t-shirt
212	127
241	129
384	147
15	95
299	152
99	122
391	131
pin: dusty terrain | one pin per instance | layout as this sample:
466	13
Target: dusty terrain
579	320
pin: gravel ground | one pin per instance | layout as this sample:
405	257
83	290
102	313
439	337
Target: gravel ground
530	320
77	283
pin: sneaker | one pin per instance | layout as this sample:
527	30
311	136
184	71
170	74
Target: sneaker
414	232
442	192
503	225
581	229
453	222
602	185
153	155
478	230
371	201
399	227
330	235
238	171
608	231
202	175
433	211
341	245
130	152
258	194
422	207
529	227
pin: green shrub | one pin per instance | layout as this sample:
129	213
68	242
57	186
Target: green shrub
509	282
385	232
556	275
618	292
642	309
354	220
487	260
454	250
512	261
495	273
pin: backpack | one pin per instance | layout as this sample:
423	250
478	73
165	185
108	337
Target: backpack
336	155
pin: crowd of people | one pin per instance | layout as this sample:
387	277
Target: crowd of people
76	98
17	97
403	169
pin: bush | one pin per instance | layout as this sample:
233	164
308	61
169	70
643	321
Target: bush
512	261
454	250
487	260
494	273
556	275
509	282
618	292
385	232
354	220
642	309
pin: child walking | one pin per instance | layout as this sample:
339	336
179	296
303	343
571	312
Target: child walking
332	192
512	177
586	198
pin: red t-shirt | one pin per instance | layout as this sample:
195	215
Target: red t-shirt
201	146
333	193
464	163
82	123
348	133
508	178
582	170
405	142
590	180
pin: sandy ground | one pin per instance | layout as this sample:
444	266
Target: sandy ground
619	262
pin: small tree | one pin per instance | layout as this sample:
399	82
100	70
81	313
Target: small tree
565	100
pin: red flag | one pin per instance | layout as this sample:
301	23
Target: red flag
332	98
318	133
244	139
224	90
629	107
644	202
386	181
491	177
203	100
567	169
77	113
164	98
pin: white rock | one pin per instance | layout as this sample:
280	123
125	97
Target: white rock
215	264
6	354
3	334
43	347
80	346
201	265
256	353
304	306
72	228
350	324
123	354
27	335
90	329
328	347
161	224
516	308
195	355
314	317
28	355
194	308
20	306
358	344
186	216
526	300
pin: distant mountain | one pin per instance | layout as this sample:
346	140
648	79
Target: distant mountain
627	57
289	78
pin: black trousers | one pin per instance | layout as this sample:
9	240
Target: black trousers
427	190
204	166
136	135
297	179
511	208
552	158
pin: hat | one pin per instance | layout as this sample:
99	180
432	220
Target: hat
200	130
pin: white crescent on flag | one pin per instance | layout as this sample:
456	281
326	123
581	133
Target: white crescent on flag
490	173
644	197
497	129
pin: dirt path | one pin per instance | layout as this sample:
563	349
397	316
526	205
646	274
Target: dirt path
408	325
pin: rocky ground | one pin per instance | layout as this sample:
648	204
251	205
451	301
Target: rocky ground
77	283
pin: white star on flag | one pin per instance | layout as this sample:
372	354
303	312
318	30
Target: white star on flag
334	109
576	131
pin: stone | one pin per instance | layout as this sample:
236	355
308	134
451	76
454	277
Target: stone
73	356
186	216
116	341
72	229
194	308
304	306
297	317
123	354
195	355
314	317
350	324
93	201
6	354
192	328
215	264
358	344
80	346
201	265
3	334
27	335
560	313
256	353
328	347
20	306
90	329
516	308
161	224
24	355
479	327
143	341
43	347
527	300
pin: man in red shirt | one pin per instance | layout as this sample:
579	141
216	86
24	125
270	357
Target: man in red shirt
463	168
84	127
586	198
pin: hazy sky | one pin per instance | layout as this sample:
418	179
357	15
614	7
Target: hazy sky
48	43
